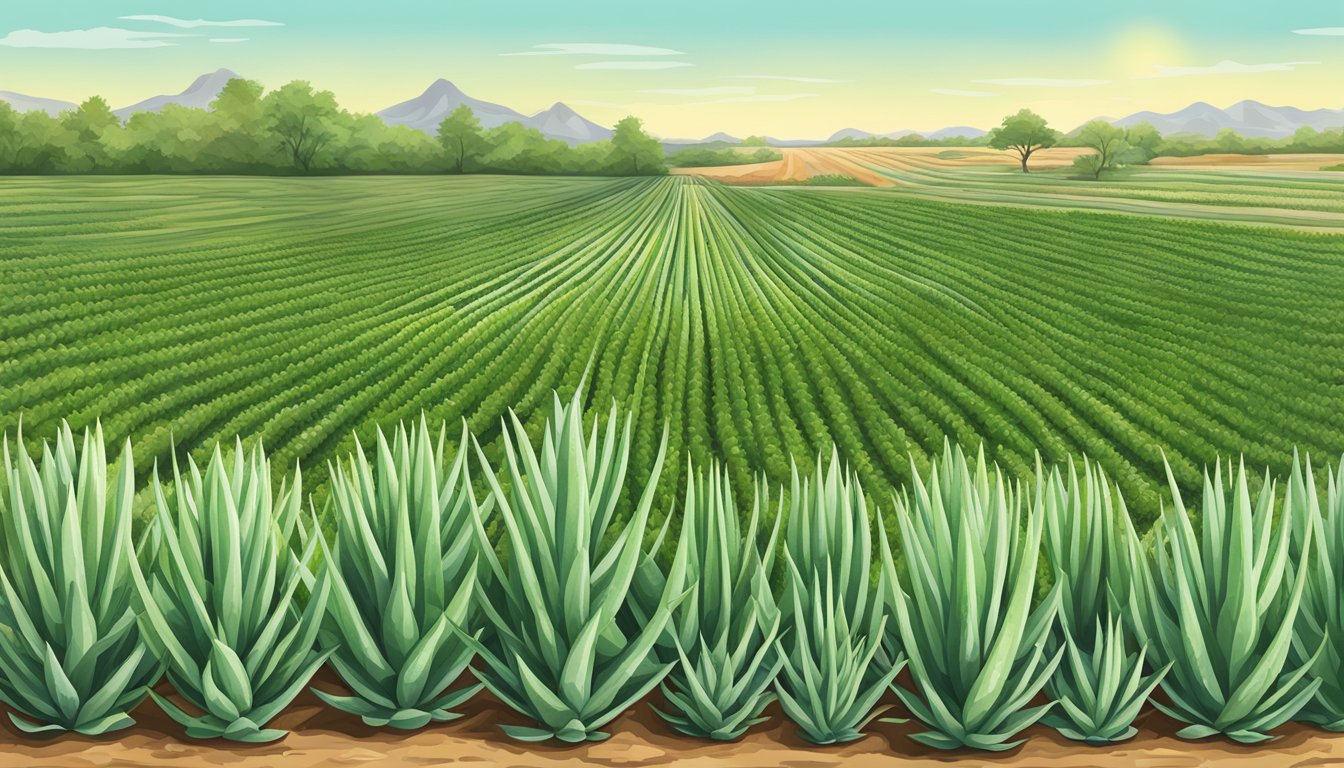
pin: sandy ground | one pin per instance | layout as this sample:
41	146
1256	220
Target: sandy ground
324	737
1305	162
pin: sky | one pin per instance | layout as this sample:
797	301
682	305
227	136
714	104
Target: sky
694	67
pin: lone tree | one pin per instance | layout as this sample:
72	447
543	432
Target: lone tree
1023	133
303	120
460	134
1109	142
636	149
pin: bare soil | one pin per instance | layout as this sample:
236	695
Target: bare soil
324	737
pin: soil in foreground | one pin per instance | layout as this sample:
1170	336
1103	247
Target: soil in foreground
324	737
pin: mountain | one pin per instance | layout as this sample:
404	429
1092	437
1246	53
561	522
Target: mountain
561	122
198	95
22	103
714	138
427	110
953	132
957	132
1249	118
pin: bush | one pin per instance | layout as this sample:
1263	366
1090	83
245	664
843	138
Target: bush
72	657
403	576
220	605
1320	622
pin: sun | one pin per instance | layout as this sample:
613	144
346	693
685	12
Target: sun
1139	48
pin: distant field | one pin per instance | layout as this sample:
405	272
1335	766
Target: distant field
758	323
1275	189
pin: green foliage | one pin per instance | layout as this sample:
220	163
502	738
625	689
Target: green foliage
977	648
755	141
833	669
220	605
1024	133
1320	622
1108	141
634	152
558	650
403	571
301	121
1100	690
726	629
700	157
460	135
71	655
1220	608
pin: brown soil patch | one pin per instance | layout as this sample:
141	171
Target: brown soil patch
867	163
325	737
1303	162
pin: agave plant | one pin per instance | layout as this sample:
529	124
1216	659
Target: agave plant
221	604
558	650
71	654
403	574
725	630
1101	687
833	671
1220	608
977	648
1321	618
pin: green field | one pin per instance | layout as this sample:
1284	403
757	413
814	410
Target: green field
757	323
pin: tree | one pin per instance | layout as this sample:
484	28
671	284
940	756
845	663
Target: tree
1023	133
460	133
635	149
755	141
10	138
1109	142
301	119
1144	140
90	123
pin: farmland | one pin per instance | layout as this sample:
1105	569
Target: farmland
758	324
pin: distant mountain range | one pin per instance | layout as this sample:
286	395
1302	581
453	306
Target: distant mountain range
426	111
1248	118
559	121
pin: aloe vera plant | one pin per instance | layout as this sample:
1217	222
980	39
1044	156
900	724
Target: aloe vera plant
71	654
725	629
1321	619
561	649
403	572
1100	686
1220	608
833	668
976	646
222	606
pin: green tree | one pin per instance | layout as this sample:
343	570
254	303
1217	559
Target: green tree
635	150
1024	133
10	137
1144	140
460	135
1109	142
755	141
90	123
301	120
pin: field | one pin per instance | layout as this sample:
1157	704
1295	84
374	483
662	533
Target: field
759	324
1285	190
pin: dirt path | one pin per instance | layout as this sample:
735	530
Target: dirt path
323	737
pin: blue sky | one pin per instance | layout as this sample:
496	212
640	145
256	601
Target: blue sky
690	68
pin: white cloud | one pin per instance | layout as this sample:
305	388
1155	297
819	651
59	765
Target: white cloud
194	23
633	65
960	93
1323	31
98	38
723	90
594	49
1043	82
1227	67
228	39
785	78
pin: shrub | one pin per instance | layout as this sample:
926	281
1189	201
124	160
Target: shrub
725	630
977	649
557	650
832	673
1220	607
403	576
1100	687
71	654
220	605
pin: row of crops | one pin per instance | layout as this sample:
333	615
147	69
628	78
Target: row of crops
559	597
756	325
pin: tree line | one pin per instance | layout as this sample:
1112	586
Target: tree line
1114	146
298	130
